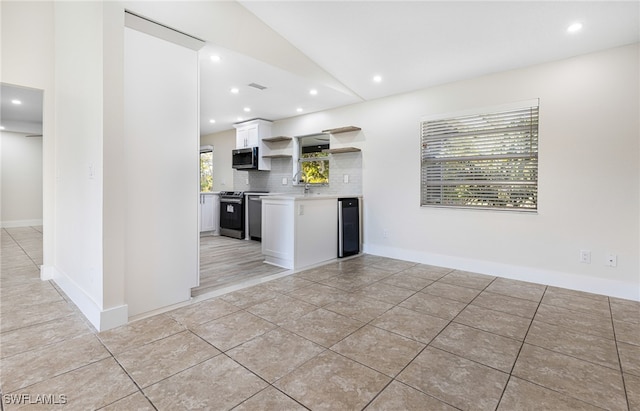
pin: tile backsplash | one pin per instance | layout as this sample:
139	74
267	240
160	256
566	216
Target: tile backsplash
340	165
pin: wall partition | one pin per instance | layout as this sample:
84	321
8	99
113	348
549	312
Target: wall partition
161	161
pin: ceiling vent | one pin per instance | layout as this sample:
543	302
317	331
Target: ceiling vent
258	86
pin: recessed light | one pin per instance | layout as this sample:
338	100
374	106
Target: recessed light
212	121
1	127
299	110
16	102
377	78
235	90
247	109
575	27
239	118
215	58
313	92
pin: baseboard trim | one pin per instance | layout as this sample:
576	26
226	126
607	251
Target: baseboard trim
20	223
47	273
612	288
102	319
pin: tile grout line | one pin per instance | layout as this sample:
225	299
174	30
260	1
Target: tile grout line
564	354
615	339
524	338
140	389
429	345
22	248
225	353
392	379
364	324
272	385
128	375
510	373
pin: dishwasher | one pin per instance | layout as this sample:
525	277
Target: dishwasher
255	217
348	227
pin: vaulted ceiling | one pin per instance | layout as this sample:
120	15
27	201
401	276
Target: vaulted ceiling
410	45
337	48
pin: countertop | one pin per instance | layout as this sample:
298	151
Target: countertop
305	197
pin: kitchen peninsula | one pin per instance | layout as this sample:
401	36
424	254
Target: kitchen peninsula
299	231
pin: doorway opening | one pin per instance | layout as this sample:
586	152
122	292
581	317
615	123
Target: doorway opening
21	174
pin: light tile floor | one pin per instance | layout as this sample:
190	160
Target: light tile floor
367	333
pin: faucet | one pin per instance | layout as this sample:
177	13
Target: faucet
300	173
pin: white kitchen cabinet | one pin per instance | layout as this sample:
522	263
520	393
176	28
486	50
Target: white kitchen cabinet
299	231
250	134
247	136
209	212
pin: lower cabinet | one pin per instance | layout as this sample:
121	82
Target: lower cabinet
209	212
299	232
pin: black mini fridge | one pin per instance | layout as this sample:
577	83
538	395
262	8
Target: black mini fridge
348	227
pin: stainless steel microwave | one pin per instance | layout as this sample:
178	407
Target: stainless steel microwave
245	158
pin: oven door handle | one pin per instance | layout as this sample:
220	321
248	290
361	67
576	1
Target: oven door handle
231	200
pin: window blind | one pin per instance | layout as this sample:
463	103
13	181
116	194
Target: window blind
487	160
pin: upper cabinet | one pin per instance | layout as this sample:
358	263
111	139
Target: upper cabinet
250	134
247	137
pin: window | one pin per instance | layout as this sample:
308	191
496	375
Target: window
206	169
313	161
487	160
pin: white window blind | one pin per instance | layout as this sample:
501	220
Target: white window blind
487	160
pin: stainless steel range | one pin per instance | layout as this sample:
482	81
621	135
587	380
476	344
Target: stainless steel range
232	214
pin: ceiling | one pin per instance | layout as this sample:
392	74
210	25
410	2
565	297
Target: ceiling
411	45
25	117
343	44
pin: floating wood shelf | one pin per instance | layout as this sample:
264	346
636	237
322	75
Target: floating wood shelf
277	156
275	139
341	130
342	150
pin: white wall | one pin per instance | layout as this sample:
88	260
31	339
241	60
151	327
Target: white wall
79	138
161	159
222	142
113	174
588	184
21	180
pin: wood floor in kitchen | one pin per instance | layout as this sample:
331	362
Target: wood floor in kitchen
226	261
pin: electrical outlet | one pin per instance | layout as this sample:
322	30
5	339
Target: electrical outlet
385	234
585	256
345	179
284	181
612	260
